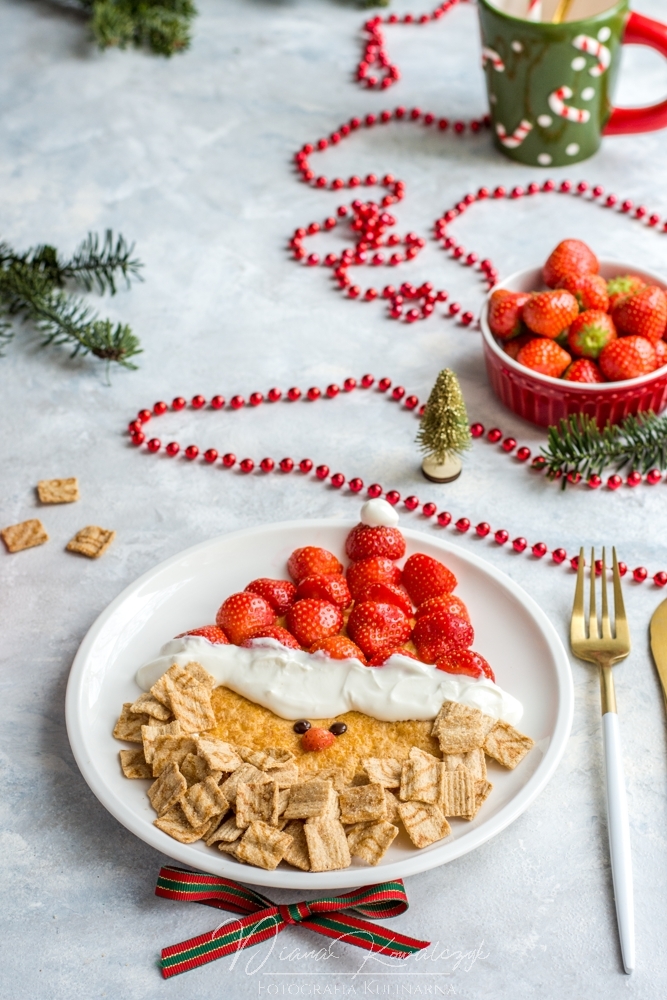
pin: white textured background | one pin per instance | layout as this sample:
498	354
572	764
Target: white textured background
190	158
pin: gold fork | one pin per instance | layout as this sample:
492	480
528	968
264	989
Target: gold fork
606	649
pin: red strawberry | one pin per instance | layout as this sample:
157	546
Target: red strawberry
272	632
513	346
621	286
332	588
424	577
447	602
583	370
504	315
241	613
544	356
437	634
381	658
374	626
387	593
465	661
366	540
317	739
591	331
312	561
643	314
213	633
660	353
338	647
569	257
278	593
549	313
627	357
311	620
377	569
590	290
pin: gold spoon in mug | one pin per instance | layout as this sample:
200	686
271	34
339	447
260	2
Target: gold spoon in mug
562	10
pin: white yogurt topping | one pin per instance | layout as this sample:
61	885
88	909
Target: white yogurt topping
298	685
379	512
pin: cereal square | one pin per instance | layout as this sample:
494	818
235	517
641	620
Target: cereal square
392	806
257	802
297	853
219	755
424	822
247	773
507	745
266	760
372	841
460	728
202	801
363	804
176	825
309	798
91	541
385	771
195	769
420	780
458	793
226	832
133	764
482	791
192	707
151	732
263	845
129	726
327	845
171	750
24	535
149	705
167	790
58	490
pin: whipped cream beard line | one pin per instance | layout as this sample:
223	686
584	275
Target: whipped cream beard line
462	525
294	684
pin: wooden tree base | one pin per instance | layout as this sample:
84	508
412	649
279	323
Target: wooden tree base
442	472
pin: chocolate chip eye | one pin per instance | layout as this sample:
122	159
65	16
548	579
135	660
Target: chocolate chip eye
338	728
302	726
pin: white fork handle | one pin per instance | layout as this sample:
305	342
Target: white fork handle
619	838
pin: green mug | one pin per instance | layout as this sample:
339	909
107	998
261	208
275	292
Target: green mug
550	85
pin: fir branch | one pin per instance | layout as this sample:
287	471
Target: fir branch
95	266
161	25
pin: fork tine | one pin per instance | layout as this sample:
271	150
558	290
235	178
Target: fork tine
593	632
578	622
622	630
606	626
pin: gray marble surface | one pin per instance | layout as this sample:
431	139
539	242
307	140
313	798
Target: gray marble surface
190	158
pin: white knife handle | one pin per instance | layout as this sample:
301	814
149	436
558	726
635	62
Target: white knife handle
619	838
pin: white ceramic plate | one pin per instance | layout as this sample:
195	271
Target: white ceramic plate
186	590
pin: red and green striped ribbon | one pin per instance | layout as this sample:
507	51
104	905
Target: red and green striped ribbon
264	919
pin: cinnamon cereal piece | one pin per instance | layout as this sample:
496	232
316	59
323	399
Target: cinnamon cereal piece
482	791
247	773
195	769
192	707
370	841
151	732
327	845
203	801
283	799
386	771
129	726
297	853
219	755
420	780
284	777
262	845
425	823
92	541
230	848
227	832
507	745
310	798
167	790
171	750
458	792
257	802
133	764
417	754
24	535
392	806
147	704
460	728
266	760
176	825
58	490
364	804
336	775
161	688
199	675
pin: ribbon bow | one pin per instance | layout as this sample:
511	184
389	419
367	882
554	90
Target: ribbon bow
266	919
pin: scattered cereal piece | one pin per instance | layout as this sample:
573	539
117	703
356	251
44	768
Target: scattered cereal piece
230	848
149	705
192	707
263	845
167	790
336	775
370	841
266	760
203	801
257	802
247	773
129	726
284	777
24	535
133	764
219	755
457	796
363	804
459	728
327	845
310	798
176	825
507	745
297	853
91	541
227	832
384	770
151	732
171	750
482	791
420	780
199	674
417	754
58	490
392	806
424	822
194	769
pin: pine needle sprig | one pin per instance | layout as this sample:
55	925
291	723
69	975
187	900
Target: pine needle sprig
95	265
161	25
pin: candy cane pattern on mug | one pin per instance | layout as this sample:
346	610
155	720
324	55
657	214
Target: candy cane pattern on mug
557	104
517	136
594	48
490	55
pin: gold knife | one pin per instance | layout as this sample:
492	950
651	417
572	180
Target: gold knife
658	632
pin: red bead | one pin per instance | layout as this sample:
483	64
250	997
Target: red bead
286	464
356	484
305	465
229	460
477	430
574	477
519	544
539	549
566	186
392	497
134	427
582	187
454	308
267	465
412	315
574	562
626	206
332	390
622	569
367	381
614	482
337	480
375	490
314	393
173	448
354	291
312	260
459	127
640	212
660	579
499	192
293	394
538	463
144	416
154	444
411	502
598	567
654	220
639	574
210	456
523	454
594	481
483	193
256	398
411	402
467	318
471	259
598	191
463	524
559	556
197	402
349	384
509	444
444	518
533	188
273	395
517	192
218	402
159	409
398	392
634	479
501	536
548	186
138	438
429	509
611	200
236	402
494	435
322	471
247	465
191	451
384	384
653	477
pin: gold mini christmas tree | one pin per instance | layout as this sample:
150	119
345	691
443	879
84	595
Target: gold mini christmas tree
444	432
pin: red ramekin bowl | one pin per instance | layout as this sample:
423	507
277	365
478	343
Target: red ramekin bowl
544	400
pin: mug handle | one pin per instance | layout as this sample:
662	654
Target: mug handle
640	30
